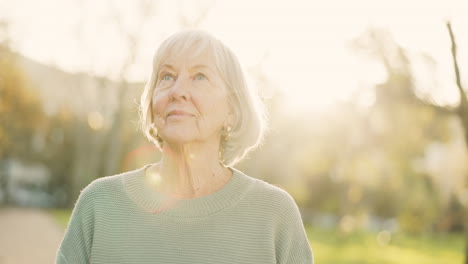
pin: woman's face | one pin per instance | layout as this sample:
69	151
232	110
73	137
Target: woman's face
189	102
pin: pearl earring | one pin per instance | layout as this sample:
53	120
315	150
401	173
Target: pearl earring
227	132
153	131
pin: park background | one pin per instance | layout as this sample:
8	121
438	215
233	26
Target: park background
368	116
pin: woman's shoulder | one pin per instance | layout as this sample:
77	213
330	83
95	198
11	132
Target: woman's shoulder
108	183
276	202
272	194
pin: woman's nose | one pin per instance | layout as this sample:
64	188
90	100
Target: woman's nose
180	89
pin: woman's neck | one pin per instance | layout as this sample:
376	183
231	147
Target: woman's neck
189	171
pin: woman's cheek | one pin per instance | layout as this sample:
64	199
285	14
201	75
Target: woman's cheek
158	112
159	121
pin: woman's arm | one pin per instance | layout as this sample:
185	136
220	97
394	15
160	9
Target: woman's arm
292	244
77	242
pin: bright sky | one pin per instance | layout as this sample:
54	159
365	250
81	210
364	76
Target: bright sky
302	46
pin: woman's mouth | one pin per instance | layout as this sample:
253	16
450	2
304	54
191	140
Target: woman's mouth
178	114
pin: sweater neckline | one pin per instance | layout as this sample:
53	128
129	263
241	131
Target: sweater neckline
157	203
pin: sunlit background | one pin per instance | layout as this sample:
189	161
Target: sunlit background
362	98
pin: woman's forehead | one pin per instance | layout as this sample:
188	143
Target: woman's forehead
188	58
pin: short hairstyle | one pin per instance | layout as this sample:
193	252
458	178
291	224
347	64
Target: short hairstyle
249	112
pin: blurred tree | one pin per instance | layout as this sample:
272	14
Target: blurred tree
399	95
59	155
115	146
21	115
373	152
460	111
101	137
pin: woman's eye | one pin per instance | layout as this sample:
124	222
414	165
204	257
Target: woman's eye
167	77
200	76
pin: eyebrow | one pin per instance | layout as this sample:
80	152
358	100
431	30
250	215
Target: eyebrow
167	66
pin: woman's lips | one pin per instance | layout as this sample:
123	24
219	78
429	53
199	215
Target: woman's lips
177	114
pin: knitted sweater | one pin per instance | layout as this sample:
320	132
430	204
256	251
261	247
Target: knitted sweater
115	220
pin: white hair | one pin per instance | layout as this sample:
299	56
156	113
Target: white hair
250	117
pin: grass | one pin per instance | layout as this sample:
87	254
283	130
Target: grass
330	246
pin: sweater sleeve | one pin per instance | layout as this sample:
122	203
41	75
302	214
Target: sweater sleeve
78	239
292	245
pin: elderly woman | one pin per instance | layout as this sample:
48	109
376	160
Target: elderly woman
192	206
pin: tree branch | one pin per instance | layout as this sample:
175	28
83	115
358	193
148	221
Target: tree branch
429	102
463	100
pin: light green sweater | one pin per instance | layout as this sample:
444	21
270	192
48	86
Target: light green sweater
246	221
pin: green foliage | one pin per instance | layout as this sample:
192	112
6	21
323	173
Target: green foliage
59	154
324	198
368	159
330	246
420	209
20	110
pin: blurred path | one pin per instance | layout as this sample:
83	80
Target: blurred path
28	235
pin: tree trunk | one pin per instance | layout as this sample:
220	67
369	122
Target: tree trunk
113	147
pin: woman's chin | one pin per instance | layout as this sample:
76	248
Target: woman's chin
178	139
